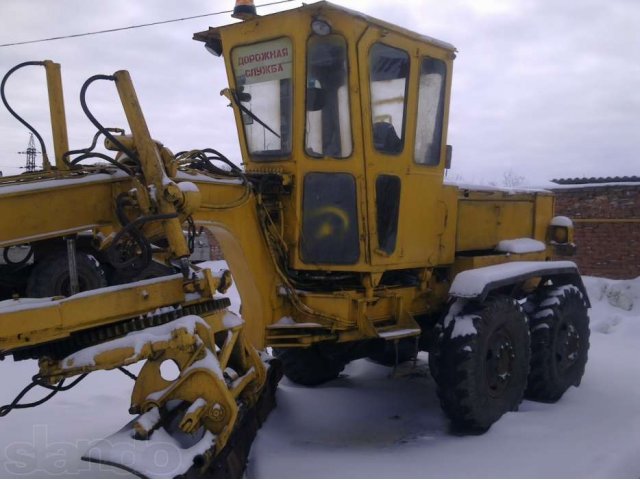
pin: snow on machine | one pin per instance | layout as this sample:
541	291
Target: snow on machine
340	233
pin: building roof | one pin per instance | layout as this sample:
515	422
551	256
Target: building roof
594	180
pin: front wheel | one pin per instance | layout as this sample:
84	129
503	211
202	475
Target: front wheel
559	343
481	363
310	366
50	275
390	354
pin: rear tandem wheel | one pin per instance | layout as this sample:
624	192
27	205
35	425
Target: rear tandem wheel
559	343
481	363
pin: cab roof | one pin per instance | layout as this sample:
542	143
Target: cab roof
323	6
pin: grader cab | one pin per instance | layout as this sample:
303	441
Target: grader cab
340	233
354	112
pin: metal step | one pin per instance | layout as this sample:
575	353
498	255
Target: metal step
396	332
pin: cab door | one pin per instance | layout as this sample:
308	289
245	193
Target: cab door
404	168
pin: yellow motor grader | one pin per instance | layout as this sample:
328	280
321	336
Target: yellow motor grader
340	233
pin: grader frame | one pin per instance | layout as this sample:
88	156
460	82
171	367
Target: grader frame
341	234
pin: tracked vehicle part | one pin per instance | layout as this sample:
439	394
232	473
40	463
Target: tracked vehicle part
559	343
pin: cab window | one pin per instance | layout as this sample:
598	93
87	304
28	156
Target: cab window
263	79
430	111
389	71
328	122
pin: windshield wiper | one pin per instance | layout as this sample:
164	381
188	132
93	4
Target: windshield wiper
230	94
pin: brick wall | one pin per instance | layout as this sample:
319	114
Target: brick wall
607	228
214	246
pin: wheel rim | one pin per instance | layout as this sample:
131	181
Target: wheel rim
567	346
499	362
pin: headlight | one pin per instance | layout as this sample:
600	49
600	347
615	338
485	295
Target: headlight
560	234
560	230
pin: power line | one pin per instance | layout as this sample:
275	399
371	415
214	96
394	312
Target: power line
131	27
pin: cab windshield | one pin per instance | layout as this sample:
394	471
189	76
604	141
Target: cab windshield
263	92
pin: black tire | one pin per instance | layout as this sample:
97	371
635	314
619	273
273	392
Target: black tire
50	275
481	362
310	366
153	270
384	353
559	343
434	358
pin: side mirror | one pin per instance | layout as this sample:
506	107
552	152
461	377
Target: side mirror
449	154
315	99
244	97
241	95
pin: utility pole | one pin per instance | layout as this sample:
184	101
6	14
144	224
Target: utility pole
31	153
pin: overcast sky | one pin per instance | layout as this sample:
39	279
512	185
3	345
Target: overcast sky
542	88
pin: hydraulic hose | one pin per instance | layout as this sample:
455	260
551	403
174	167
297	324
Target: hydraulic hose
95	122
43	148
84	153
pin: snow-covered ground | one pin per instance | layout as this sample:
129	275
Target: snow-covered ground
368	423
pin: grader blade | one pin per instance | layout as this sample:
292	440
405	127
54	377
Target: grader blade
169	452
165	454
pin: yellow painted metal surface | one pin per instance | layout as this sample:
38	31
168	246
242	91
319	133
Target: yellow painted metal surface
27	323
58	117
168	193
470	262
447	208
201	349
55	205
420	219
543	213
238	232
258	218
435	223
486	218
421	222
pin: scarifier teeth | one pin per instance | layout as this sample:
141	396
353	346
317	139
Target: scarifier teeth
146	423
192	417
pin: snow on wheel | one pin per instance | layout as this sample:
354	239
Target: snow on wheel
482	362
559	343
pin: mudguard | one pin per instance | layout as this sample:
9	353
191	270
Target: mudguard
478	283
